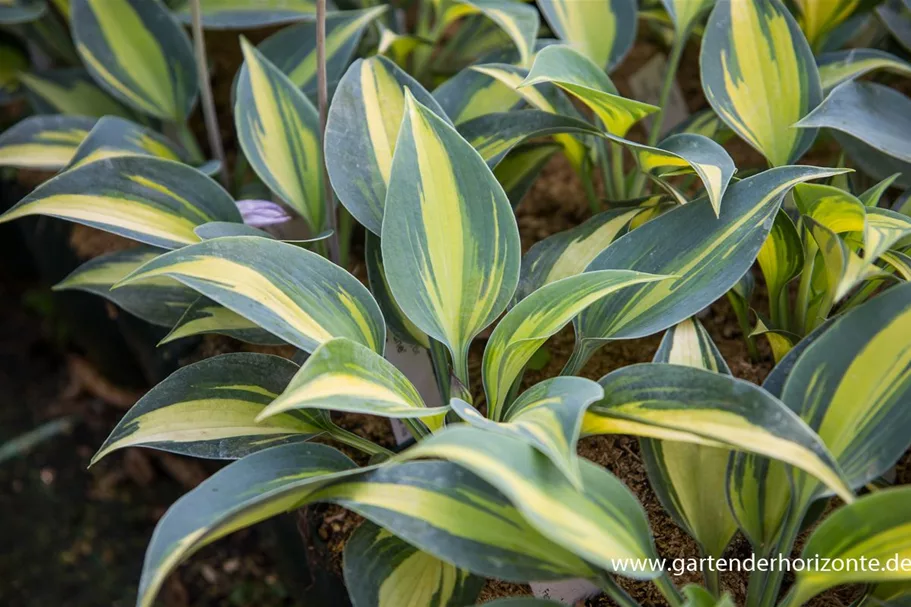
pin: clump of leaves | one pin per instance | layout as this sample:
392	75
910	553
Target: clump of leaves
494	487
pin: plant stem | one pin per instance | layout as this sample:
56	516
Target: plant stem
593	202
205	91
582	353
439	356
353	440
323	98
619	177
615	592
784	546
803	290
668	590
610	191
712	581
670	74
188	141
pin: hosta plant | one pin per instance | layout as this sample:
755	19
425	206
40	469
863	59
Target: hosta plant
493	486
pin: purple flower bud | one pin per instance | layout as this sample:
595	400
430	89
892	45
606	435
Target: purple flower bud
262	213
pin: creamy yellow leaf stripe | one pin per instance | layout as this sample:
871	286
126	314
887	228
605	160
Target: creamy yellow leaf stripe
603	31
579	76
289	291
160	301
278	130
112	137
449	240
383	570
754	51
548	416
688	478
205	316
155	201
437	507
43	142
342	375
527	326
138	52
361	133
674	402
207	410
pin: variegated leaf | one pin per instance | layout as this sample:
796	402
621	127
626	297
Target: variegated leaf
517	20
603	31
449	239
396	321
569	252
780	340
207	409
470	94
841	66
876	527
832	207
682	153
43	142
873	113
139	53
883	229
342	375
520	168
112	137
819	18
900	262
399	48
753	51
15	12
872	196
780	259
243	14
71	92
219	229
160	301
382	570
601	523
293	49
674	402
205	316
843	270
689	478
436	506
758	489
852	386
545	97
527	326
361	133
278	130
548	416
849	381
580	77
706	262
155	201
494	135
685	13
291	292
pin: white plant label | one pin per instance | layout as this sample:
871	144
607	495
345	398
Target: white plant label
567	592
414	362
